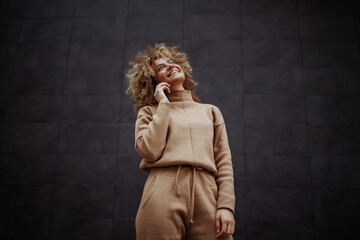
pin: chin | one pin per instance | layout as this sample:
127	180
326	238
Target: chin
178	79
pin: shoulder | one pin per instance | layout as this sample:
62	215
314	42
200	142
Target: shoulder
147	110
206	105
215	113
214	109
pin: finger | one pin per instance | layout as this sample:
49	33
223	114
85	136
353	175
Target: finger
230	229
223	230
220	234
164	87
233	228
224	227
217	224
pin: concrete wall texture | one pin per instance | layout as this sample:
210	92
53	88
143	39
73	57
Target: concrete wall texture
285	74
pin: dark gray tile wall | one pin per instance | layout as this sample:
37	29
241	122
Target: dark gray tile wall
285	74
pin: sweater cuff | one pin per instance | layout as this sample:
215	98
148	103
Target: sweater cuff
226	208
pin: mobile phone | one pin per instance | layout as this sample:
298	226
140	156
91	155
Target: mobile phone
166	93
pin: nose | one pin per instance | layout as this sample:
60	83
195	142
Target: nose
171	66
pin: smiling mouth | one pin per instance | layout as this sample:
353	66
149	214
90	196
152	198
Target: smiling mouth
173	72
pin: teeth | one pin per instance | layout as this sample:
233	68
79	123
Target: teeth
173	72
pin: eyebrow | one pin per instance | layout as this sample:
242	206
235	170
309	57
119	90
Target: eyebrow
162	64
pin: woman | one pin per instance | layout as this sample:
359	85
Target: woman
189	192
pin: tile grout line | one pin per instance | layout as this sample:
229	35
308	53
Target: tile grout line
308	155
243	119
122	91
183	25
57	153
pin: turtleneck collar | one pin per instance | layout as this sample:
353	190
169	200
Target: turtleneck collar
180	96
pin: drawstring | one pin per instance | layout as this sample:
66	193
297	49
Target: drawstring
192	189
192	197
176	183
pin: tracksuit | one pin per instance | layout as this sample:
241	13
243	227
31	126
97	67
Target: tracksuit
185	151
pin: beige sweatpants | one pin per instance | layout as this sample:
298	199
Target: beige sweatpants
178	202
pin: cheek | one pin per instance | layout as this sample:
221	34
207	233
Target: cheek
161	76
182	73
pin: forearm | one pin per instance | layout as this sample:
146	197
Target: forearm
151	131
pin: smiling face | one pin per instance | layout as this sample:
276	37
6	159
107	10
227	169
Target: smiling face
166	70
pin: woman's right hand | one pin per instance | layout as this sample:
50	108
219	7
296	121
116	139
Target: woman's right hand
159	92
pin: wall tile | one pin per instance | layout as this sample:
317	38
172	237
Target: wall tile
83	201
9	31
93	80
336	205
50	8
271	53
333	110
213	52
159	28
327	28
33	109
335	171
274	110
270	27
42	55
98	8
273	80
48	30
274	7
155	8
91	109
88	138
334	140
30	137
212	27
38	80
85	169
278	205
278	171
212	7
91	228
330	53
32	227
331	81
275	140
324	7
99	29
272	230
29	199
88	54
27	168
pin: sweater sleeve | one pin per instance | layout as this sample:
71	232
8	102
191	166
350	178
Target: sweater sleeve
151	131
223	162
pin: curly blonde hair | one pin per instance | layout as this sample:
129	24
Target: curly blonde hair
141	83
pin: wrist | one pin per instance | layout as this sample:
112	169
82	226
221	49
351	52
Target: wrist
225	208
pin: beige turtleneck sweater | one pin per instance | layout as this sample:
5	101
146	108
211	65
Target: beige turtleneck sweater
186	132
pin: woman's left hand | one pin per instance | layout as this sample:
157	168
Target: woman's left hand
225	223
